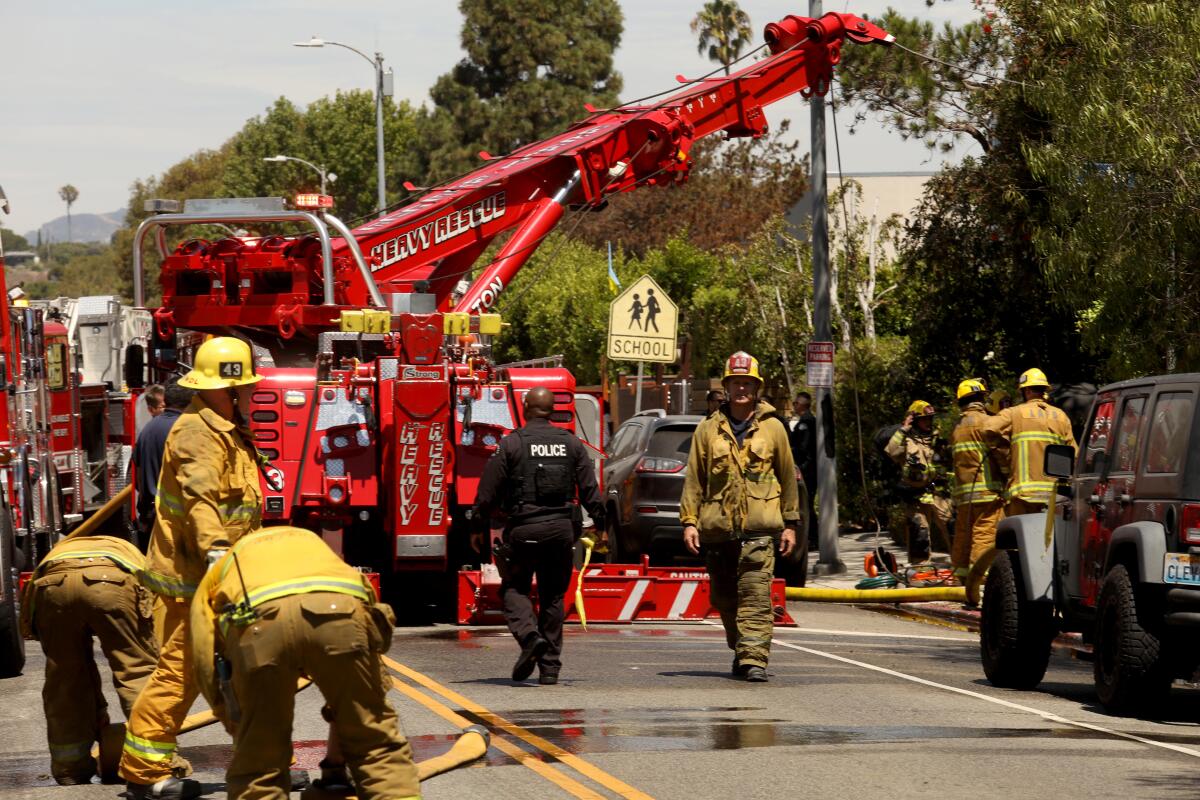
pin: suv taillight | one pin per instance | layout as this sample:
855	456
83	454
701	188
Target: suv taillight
651	464
1189	524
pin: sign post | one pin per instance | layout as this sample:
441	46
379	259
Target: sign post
643	326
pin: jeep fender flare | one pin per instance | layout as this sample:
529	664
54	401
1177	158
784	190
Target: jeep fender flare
1147	542
1026	534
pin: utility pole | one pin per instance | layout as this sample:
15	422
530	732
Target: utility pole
828	560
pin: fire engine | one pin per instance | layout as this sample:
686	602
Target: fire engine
380	401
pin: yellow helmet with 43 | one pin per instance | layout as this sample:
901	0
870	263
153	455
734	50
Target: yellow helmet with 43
222	363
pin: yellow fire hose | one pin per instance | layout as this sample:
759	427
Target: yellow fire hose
472	744
588	544
104	512
967	593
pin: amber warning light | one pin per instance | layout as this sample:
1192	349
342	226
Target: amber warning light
313	201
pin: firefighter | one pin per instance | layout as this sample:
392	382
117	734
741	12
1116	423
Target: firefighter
922	460
740	492
533	477
1027	429
208	497
86	587
280	603
980	465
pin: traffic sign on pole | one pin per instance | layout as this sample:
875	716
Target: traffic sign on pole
818	359
642	324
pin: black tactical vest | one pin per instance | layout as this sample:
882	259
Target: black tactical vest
544	478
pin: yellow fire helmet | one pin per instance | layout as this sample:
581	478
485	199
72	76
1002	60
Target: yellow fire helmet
998	401
920	408
971	386
741	365
222	362
1033	379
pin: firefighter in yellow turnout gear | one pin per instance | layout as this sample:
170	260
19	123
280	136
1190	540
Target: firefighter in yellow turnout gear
1028	429
278	605
924	480
208	498
980	467
87	587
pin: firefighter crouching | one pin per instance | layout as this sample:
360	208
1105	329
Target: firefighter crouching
533	477
980	464
1028	428
923	480
278	605
739	493
208	497
86	587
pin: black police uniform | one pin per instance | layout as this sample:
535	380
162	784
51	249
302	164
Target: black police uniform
532	479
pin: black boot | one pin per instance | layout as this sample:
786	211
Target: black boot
534	648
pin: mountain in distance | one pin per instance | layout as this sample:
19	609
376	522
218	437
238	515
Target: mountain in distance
84	227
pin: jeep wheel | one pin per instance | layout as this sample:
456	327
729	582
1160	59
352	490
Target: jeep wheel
12	645
614	538
1014	633
1128	669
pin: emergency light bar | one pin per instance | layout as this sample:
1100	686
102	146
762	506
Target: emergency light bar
311	201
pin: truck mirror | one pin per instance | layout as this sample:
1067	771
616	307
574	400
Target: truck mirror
135	366
1058	461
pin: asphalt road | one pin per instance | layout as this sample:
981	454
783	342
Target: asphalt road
859	704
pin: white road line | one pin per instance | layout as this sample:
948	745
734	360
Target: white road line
962	639
1046	715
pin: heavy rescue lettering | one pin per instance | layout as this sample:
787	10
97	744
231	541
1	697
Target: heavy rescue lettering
440	230
548	450
437	478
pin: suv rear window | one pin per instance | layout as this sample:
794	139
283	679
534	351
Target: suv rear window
1168	432
1129	434
1099	438
671	441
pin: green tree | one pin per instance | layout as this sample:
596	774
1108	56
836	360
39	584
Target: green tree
724	30
530	67
69	194
10	240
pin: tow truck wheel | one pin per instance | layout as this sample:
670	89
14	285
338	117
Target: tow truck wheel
1129	672
12	646
1014	633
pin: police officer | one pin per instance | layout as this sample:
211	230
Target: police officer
532	478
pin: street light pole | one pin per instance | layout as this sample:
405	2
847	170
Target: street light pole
382	87
320	170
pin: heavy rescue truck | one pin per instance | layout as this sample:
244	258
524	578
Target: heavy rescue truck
381	402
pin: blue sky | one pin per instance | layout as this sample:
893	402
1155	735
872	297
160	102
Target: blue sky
98	94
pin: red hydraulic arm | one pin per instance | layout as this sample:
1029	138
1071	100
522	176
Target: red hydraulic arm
438	237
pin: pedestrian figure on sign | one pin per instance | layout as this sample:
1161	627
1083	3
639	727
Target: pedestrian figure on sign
635	312
652	309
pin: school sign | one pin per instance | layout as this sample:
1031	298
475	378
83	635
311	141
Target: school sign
642	324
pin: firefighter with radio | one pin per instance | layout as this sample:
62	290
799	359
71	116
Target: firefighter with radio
1027	428
533	478
278	605
741	492
924	481
208	498
86	587
980	468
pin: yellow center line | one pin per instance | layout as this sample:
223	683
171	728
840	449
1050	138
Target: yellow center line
584	768
503	745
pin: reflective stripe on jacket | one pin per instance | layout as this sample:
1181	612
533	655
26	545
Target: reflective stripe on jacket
208	497
980	458
730	490
1029	428
119	552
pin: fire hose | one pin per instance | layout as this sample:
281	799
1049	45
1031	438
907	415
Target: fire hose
104	512
967	593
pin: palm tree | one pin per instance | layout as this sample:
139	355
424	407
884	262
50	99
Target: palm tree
69	195
724	30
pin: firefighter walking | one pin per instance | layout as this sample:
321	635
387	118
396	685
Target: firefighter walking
85	589
980	466
533	478
1028	428
923	480
208	497
740	493
278	605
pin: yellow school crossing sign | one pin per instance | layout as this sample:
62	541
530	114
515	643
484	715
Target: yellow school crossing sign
642	324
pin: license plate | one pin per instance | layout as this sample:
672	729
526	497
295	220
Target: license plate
1181	568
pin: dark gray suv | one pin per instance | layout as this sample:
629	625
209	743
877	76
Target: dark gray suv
1123	564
